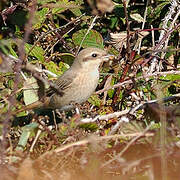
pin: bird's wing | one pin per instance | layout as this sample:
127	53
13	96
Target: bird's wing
62	83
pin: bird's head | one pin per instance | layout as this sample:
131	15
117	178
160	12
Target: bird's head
92	57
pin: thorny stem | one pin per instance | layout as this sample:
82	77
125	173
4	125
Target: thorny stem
55	30
144	20
116	157
128	29
166	36
136	79
90	27
17	69
169	24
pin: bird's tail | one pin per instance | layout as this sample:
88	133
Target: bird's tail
36	105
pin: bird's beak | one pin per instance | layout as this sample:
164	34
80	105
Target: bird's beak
108	57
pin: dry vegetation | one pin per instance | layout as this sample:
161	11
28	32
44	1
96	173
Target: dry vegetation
129	128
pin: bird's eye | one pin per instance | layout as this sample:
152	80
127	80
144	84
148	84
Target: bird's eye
94	55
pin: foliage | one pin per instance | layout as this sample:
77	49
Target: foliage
47	34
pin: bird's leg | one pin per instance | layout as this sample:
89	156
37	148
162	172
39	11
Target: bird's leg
77	114
76	106
61	115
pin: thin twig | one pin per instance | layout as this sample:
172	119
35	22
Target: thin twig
61	38
128	111
153	37
54	30
143	24
165	99
166	36
172	13
90	27
127	28
105	117
89	140
138	78
127	146
17	70
35	140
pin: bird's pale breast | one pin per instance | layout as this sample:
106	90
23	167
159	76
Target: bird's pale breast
79	91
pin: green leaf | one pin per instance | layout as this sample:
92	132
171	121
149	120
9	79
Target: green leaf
159	8
58	70
27	130
95	100
7	47
68	58
30	91
171	77
137	17
18	32
76	11
155	13
45	1
89	126
64	5
114	22
80	2
40	18
37	51
111	91
93	38
61	6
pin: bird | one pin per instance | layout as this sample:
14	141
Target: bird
77	83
